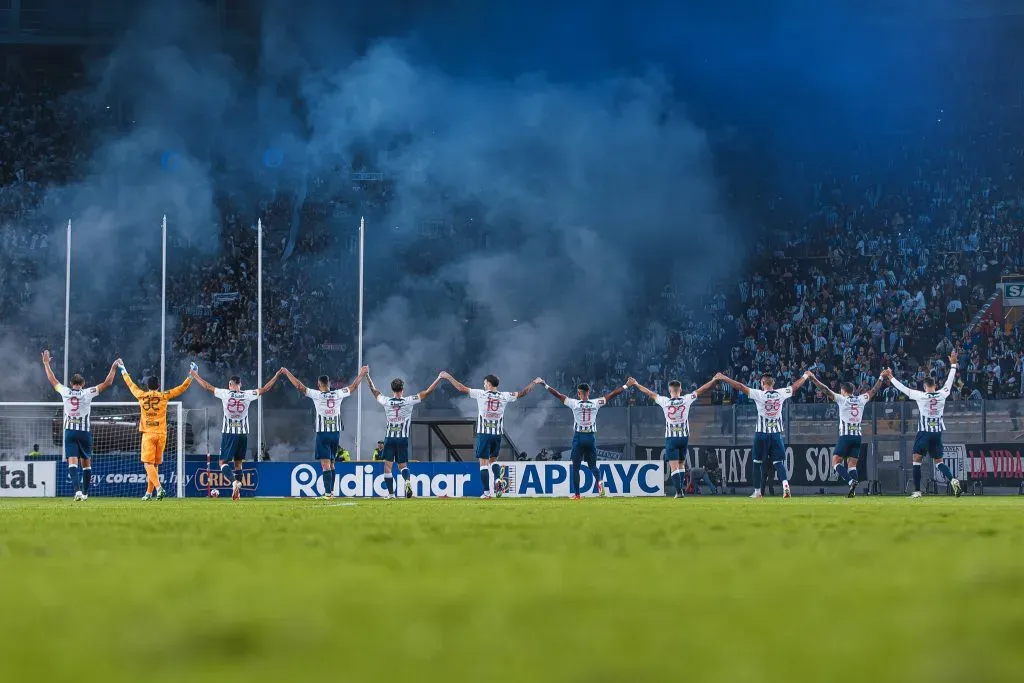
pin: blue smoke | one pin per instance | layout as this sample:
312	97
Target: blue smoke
584	138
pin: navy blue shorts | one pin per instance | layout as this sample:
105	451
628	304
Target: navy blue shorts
584	447
327	445
675	447
77	444
396	449
233	446
488	446
848	447
928	443
769	447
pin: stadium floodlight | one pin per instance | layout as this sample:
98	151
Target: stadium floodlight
259	335
359	341
163	300
67	302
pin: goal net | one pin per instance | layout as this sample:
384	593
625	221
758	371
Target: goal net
35	432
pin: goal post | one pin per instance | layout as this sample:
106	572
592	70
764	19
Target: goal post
35	431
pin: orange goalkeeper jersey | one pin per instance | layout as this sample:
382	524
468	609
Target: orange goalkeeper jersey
154	404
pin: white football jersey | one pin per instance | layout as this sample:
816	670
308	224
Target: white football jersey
769	408
328	408
851	413
677	414
490	415
930	405
398	412
77	406
584	414
236	409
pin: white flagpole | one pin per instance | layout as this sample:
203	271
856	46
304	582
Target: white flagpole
359	343
259	331
67	301
163	301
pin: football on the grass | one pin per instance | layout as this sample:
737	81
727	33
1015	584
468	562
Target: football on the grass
214	493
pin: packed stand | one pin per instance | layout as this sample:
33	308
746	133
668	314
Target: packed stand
889	281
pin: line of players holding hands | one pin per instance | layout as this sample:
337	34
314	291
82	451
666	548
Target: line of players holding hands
491	405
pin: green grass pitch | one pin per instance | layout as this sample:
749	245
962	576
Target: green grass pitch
703	589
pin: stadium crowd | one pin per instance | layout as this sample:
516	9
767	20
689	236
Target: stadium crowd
879	272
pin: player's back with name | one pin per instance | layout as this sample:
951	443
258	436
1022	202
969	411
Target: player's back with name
327	405
851	423
677	414
398	414
77	407
584	413
491	407
236	409
769	409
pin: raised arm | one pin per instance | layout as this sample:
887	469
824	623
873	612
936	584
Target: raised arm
631	382
733	383
554	392
614	392
132	387
459	386
202	382
706	386
900	386
266	387
295	382
952	373
795	386
49	371
109	381
878	385
371	385
529	387
359	378
824	387
180	389
429	390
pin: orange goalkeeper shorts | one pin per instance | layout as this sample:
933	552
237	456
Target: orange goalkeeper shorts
153	448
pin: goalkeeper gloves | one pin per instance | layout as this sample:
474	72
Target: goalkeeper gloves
193	367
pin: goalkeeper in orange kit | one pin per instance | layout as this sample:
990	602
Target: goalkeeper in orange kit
153	424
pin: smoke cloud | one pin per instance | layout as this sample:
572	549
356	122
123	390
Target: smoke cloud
573	199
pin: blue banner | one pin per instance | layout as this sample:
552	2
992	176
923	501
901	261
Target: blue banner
119	476
620	478
352	479
125	476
